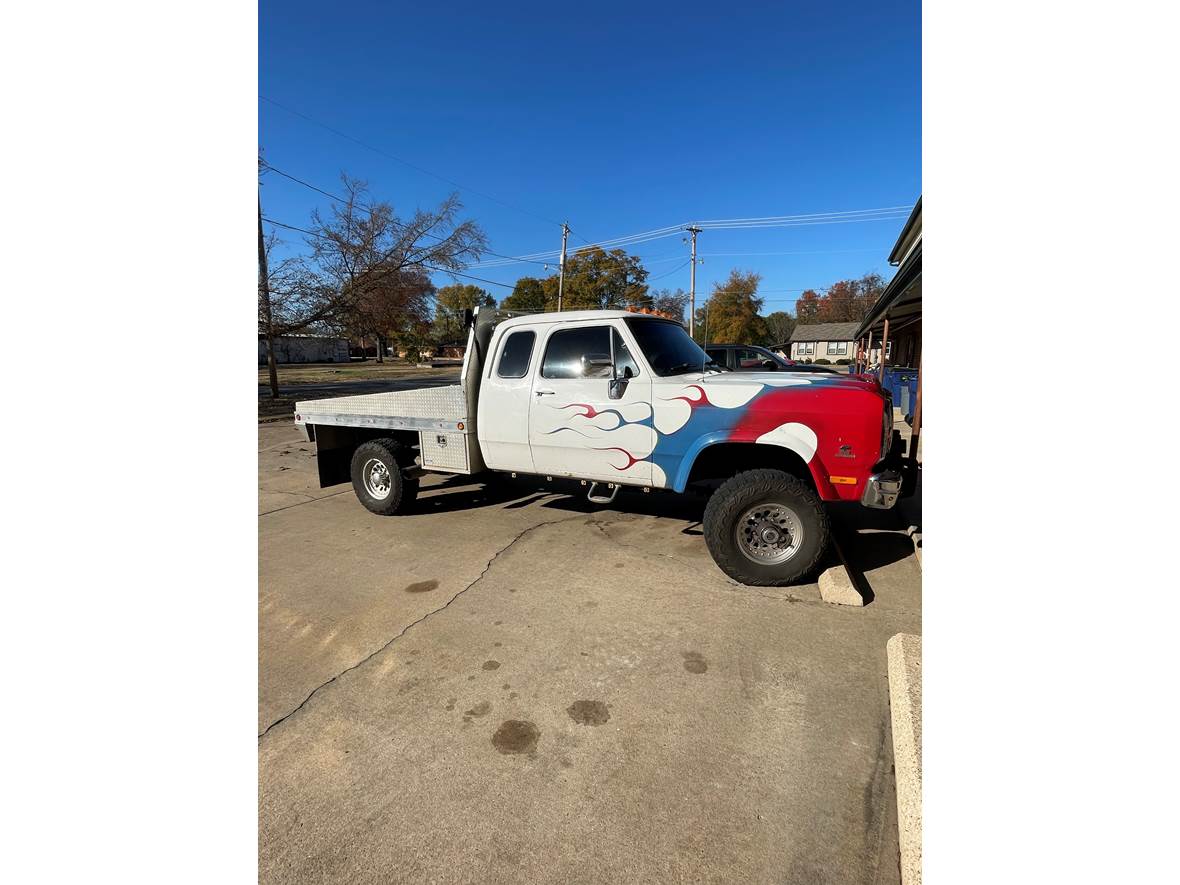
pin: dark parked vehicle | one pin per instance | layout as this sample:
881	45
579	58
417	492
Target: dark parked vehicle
750	358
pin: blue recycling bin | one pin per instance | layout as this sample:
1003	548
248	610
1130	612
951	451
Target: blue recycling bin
902	384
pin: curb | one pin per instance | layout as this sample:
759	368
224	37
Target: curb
904	652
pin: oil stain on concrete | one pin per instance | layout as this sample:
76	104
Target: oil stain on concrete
516	736
491	665
422	586
694	662
480	709
588	712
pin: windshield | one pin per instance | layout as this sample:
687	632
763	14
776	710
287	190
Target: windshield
668	348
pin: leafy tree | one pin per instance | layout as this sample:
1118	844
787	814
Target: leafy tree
779	326
385	304
594	280
599	280
730	316
848	301
527	294
449	304
807	308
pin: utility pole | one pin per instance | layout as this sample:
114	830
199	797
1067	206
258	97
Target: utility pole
565	232
692	285
264	290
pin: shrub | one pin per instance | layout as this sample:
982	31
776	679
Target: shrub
823	362
844	361
412	355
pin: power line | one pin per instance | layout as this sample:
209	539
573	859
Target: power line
848	217
802	252
806	223
816	289
370	209
809	215
397	159
669	273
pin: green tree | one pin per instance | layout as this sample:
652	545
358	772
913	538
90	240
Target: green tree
527	294
730	316
599	280
594	280
779	326
449	304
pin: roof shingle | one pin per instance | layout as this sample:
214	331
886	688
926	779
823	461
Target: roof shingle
825	332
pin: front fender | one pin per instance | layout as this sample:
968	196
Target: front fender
680	483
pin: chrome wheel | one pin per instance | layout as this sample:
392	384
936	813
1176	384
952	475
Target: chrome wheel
769	534
378	482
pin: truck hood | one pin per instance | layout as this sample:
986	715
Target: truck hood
825	380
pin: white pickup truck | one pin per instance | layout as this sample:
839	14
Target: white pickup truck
614	398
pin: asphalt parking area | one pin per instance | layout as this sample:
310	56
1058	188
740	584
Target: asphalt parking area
510	685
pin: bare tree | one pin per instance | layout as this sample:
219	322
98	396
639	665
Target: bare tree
292	298
265	308
379	264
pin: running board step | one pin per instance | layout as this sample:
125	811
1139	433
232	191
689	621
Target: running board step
595	497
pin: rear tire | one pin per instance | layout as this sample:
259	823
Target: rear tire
378	478
766	528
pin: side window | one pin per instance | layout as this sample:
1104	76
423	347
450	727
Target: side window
578	353
749	359
514	358
717	356
623	358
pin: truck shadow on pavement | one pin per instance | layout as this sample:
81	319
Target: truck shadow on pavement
867	539
461	493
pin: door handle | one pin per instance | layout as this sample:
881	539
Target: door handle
545	392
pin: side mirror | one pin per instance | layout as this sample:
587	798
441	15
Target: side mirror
596	365
468	317
618	386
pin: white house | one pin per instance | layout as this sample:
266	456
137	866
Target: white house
305	349
827	341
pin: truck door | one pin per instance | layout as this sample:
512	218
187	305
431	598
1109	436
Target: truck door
576	427
504	396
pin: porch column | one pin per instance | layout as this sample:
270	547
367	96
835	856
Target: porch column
916	430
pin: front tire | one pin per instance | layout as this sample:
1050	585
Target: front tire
378	478
766	528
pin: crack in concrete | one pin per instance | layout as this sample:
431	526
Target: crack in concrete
310	500
407	628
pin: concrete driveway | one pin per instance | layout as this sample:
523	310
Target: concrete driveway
509	685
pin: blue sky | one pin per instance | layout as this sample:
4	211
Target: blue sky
618	117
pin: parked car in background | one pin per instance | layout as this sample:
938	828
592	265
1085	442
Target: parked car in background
751	358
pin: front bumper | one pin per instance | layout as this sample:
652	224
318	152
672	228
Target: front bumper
893	477
883	489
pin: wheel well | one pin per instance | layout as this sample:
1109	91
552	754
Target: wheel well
335	445
720	461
